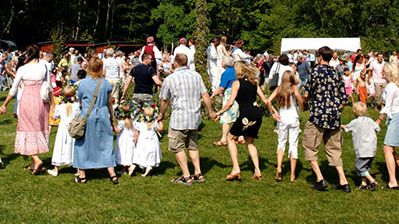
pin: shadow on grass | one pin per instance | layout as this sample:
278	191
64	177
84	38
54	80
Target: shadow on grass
329	173
207	164
382	169
7	158
6	122
249	166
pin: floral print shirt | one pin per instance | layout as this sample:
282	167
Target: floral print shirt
326	91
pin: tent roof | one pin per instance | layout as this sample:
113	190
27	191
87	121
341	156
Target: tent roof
346	44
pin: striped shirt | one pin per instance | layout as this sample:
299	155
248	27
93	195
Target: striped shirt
184	89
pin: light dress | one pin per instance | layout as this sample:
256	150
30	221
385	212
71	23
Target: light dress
64	143
124	145
148	151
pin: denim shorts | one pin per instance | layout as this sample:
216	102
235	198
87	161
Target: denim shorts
392	135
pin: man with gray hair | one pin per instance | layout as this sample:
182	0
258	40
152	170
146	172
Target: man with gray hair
111	70
226	81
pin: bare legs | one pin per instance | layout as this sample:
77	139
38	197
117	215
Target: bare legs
253	152
280	157
181	159
391	160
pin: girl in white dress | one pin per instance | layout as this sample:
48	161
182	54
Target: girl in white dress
148	150
124	142
289	98
64	143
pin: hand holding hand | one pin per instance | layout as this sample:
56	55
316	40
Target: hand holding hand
160	117
276	117
3	109
213	115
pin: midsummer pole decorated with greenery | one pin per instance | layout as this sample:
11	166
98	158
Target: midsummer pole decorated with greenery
200	35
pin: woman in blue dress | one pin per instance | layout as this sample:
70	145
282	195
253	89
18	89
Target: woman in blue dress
95	149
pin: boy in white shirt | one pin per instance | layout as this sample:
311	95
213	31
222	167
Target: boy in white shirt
364	139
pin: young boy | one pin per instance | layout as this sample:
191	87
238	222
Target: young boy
364	139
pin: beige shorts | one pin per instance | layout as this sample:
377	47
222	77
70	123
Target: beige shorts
332	139
115	84
180	140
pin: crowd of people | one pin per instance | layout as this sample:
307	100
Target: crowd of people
96	85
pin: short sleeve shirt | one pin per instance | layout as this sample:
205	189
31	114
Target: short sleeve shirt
326	91
228	77
184	89
143	81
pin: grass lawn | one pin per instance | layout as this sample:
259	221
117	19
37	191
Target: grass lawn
45	199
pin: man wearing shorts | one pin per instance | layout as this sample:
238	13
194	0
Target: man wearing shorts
183	90
325	92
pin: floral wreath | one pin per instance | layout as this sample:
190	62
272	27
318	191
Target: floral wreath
135	111
69	98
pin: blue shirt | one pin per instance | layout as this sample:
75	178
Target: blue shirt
228	77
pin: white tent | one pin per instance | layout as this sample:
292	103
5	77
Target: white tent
345	44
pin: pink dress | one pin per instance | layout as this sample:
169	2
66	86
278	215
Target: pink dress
32	136
348	85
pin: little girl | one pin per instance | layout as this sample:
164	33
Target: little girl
64	144
364	139
360	85
348	83
148	151
124	145
289	98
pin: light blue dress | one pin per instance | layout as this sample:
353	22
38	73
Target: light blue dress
95	149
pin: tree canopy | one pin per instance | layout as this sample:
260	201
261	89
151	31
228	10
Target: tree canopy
260	23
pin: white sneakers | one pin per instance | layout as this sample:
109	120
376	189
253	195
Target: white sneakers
53	172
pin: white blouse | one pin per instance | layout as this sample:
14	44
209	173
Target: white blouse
391	98
30	71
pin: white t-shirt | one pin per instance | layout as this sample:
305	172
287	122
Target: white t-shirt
333	63
111	68
30	71
377	67
281	70
183	49
391	99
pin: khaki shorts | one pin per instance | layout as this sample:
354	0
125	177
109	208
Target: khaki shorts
179	140
332	139
379	90
115	83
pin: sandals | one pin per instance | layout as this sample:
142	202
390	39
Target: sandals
187	181
257	177
279	176
234	177
38	170
387	187
2	166
80	180
220	143
114	180
199	178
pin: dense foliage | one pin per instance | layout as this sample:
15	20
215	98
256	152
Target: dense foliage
260	23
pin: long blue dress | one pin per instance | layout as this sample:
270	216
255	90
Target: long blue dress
95	149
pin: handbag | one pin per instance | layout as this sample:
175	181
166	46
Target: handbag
273	83
45	88
77	126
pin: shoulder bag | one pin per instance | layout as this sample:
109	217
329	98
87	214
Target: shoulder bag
273	83
77	126
45	88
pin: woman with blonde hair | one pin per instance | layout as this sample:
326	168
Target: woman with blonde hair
244	90
391	112
95	149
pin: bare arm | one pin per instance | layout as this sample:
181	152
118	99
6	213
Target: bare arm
157	81
160	126
162	109
128	81
234	91
208	104
111	110
217	91
298	96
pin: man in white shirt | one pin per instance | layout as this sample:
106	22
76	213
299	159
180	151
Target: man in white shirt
183	49
394	58
212	58
111	70
379	82
334	62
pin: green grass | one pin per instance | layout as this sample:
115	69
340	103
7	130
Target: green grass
45	199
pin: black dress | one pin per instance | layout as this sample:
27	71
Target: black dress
250	119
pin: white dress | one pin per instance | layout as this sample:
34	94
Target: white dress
64	143
148	151
124	145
